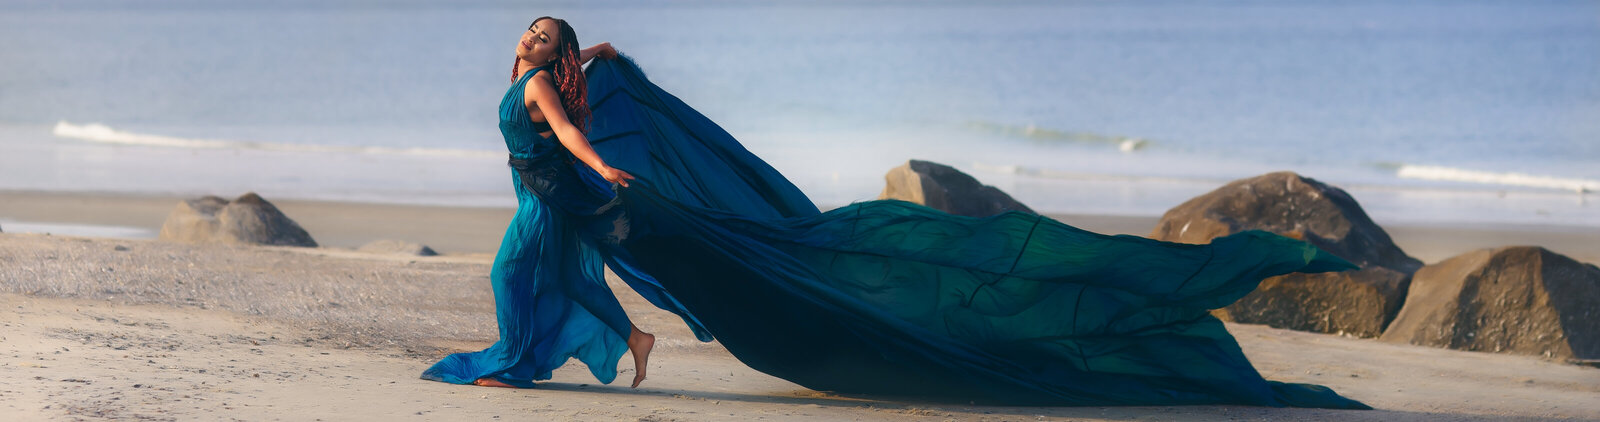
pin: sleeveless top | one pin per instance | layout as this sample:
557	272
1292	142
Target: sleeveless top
524	137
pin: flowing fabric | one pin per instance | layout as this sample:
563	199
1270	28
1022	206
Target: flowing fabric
888	297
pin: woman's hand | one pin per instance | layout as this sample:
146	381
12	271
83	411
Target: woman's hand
614	175
603	50
606	51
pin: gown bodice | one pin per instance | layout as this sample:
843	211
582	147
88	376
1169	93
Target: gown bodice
542	166
524	137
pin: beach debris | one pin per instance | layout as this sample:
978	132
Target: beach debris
1522	300
1359	303
246	220
400	247
944	188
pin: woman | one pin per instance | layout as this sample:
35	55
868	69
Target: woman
883	297
551	298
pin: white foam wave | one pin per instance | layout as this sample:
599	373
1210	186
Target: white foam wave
1408	171
1045	173
1123	143
95	132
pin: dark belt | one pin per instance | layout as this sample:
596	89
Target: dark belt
554	179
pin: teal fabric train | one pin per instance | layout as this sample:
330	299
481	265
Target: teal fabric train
892	298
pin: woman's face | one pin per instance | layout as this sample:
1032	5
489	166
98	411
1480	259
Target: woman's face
538	43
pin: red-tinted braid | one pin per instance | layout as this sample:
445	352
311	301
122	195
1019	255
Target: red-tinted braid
515	61
569	79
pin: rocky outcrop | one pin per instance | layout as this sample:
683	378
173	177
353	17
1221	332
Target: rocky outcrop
944	188
246	220
398	247
1358	302
1522	300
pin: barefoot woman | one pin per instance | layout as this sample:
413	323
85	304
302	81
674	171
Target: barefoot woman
877	297
550	293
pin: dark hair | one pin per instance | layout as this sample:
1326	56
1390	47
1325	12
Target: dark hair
568	75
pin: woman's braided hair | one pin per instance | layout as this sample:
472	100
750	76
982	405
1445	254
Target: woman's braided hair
568	75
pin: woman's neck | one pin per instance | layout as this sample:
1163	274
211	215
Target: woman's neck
524	66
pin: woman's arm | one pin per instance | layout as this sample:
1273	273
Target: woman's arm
544	96
604	50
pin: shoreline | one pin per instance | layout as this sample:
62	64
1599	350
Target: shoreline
478	230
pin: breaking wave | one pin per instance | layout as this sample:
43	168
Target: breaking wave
1123	143
99	133
1409	171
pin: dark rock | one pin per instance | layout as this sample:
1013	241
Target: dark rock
1359	302
944	188
397	247
1341	303
247	220
1521	300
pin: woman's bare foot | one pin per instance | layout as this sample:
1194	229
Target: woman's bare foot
491	382
640	343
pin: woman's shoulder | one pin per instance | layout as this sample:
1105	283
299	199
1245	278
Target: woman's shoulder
544	75
541	79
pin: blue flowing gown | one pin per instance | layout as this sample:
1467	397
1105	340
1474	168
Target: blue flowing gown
550	294
879	297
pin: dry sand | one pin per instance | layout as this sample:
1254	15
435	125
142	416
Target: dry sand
142	329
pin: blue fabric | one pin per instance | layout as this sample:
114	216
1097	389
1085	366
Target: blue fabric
888	297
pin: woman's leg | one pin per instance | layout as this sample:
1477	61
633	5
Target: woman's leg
595	296
592	294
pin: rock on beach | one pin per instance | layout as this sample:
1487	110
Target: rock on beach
1358	302
401	247
248	219
1521	300
944	188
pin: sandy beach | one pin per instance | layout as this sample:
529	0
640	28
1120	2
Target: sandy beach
115	328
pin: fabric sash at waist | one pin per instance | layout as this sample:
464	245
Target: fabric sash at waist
554	178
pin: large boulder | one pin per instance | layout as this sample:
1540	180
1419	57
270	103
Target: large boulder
397	247
944	188
1521	299
246	220
1359	303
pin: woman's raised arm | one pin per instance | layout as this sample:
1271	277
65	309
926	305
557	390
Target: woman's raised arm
544	95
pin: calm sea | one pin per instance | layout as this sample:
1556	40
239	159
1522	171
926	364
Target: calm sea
1427	111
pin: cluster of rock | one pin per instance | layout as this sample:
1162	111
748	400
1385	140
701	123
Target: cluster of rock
1521	299
251	220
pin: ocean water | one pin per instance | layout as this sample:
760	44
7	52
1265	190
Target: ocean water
1426	111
